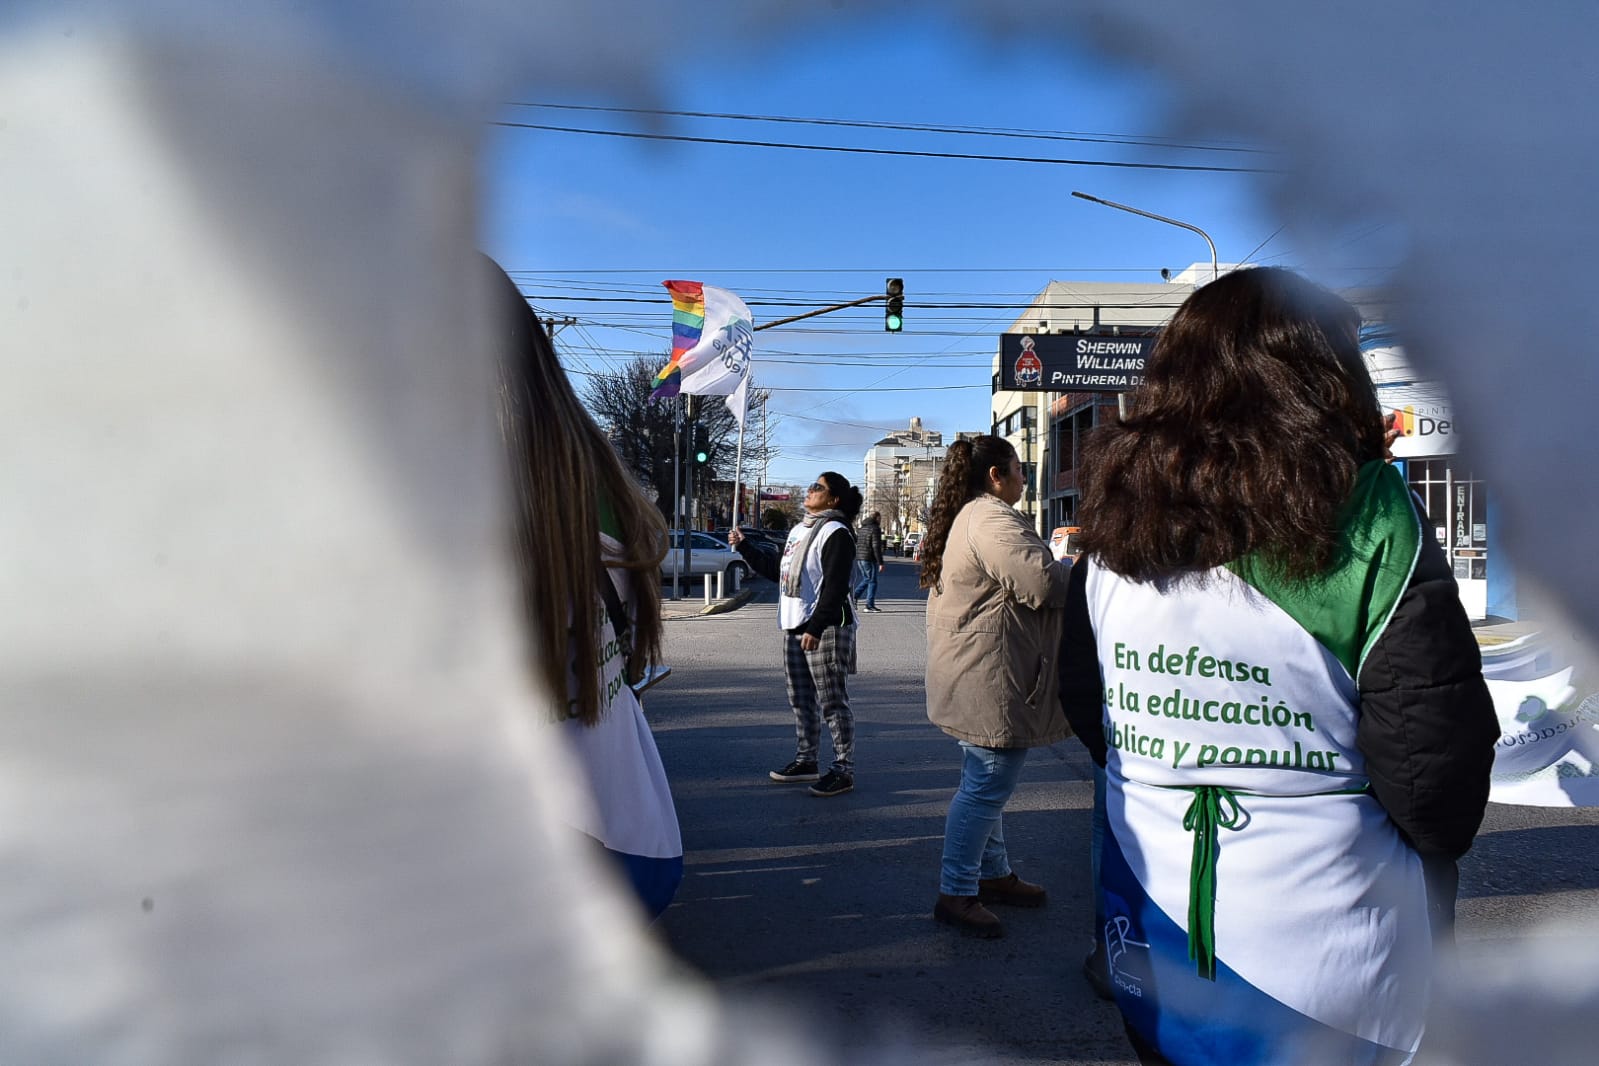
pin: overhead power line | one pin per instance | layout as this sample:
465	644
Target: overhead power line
917	127
844	270
909	152
928	305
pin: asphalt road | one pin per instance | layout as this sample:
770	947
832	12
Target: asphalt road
824	905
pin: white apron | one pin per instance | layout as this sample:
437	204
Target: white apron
1233	776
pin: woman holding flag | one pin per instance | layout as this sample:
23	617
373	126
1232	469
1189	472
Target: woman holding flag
818	620
713	337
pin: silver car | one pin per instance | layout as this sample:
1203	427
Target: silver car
706	555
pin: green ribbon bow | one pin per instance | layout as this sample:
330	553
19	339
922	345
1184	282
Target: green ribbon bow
1214	807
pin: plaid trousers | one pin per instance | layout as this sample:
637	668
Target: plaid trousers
816	690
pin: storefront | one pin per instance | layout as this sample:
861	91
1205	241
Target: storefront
1455	499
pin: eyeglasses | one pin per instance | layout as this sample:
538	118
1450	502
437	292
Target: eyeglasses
817	486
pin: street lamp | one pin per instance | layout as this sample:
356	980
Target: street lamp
1214	268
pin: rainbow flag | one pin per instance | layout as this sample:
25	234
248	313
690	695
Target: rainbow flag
688	323
713	340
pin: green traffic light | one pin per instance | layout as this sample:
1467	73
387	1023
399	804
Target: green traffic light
700	457
893	322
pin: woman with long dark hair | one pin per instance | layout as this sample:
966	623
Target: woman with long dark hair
1266	650
993	630
588	548
817	616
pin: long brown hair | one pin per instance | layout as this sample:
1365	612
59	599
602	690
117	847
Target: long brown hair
1255	413
963	479
563	470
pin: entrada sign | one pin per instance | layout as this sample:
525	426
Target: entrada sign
1071	362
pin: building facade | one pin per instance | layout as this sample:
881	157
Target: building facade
901	471
1455	499
1048	428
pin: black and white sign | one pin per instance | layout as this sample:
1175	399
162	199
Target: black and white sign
1071	362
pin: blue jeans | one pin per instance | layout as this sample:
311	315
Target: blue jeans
866	581
974	834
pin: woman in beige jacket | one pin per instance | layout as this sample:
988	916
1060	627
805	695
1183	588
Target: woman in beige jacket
994	614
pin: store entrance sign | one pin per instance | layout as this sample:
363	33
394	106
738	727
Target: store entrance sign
1072	362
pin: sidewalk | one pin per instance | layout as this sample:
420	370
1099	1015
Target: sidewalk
828	901
1496	630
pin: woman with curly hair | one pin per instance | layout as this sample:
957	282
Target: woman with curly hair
993	627
1266	651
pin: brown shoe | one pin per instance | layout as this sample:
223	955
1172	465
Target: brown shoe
968	915
1011	891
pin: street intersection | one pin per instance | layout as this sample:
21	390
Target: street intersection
824	905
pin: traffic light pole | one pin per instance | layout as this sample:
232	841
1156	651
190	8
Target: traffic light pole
821	311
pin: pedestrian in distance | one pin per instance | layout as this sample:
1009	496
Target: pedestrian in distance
1265	649
868	560
588	549
818	622
993	630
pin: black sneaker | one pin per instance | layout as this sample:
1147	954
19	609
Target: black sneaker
795	771
834	784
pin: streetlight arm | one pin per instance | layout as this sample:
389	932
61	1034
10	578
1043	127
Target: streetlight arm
1215	269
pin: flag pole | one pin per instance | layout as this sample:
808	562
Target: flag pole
738	461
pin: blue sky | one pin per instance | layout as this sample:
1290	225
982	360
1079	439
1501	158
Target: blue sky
589	216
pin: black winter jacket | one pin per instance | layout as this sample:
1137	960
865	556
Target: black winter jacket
869	542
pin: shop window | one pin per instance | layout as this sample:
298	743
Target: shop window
1429	479
1457	505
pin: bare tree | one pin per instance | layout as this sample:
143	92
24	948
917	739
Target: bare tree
885	500
642	429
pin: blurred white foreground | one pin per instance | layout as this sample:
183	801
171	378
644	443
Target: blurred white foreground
269	788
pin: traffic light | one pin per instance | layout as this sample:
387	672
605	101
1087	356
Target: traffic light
702	446
894	309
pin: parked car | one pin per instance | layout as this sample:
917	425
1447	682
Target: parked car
707	555
913	545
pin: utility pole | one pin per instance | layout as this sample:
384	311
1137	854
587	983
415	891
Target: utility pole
554	325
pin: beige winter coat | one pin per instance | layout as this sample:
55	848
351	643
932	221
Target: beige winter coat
993	631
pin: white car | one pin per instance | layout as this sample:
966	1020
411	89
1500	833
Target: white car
706	555
913	544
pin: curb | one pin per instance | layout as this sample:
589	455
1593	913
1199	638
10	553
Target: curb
675	609
732	603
